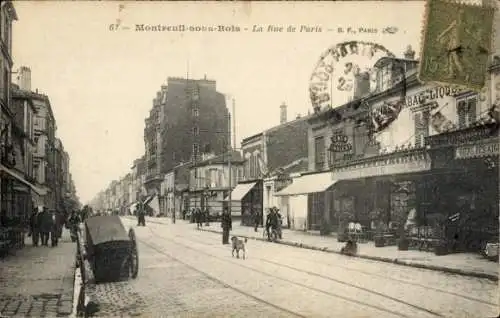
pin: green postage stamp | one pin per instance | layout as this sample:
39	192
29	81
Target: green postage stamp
456	43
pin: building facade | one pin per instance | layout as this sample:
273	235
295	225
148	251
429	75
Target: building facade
266	155
210	181
8	15
396	159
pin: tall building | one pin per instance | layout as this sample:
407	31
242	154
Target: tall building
8	15
195	121
188	117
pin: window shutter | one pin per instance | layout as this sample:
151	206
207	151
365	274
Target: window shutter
461	114
471	110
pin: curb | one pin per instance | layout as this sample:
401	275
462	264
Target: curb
376	258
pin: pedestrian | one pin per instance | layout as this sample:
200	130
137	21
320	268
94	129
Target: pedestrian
34	230
45	226
56	228
199	217
256	219
207	216
227	225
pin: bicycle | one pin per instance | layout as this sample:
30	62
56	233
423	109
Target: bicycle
271	237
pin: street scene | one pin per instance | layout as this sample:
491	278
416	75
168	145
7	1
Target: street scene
185	272
258	161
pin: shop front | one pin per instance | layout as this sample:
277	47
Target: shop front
246	198
465	186
309	199
380	193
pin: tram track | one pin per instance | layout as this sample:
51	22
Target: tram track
389	278
331	294
215	279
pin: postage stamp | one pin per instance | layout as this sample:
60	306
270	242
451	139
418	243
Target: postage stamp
456	43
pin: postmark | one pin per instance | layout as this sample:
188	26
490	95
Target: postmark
456	43
338	65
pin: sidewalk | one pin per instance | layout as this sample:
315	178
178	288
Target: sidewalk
467	264
38	281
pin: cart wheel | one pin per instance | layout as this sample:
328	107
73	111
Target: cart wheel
134	255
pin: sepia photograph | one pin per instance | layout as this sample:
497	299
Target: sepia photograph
250	158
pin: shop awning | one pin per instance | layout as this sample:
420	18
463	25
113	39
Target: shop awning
154	204
149	198
240	191
310	183
21	179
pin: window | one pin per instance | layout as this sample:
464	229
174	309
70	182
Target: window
466	110
196	130
196	112
319	153
196	149
421	127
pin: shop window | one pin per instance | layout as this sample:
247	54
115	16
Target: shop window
319	153
421	127
466	109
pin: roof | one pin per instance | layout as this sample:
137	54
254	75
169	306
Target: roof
268	130
236	157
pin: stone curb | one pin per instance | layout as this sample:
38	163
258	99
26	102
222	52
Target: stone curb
376	258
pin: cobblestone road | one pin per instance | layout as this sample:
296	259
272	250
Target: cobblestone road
184	272
38	281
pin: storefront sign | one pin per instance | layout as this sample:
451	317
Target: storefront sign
340	143
460	137
478	150
431	94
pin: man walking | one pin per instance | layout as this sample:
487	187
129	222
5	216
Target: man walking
256	219
227	225
45	225
34	229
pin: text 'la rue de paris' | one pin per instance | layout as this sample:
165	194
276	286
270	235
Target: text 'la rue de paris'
289	28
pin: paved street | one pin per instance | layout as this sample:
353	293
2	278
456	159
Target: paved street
38	281
185	272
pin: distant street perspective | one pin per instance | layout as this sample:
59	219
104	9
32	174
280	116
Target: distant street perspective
305	159
186	272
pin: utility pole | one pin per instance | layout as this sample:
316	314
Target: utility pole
234	125
229	160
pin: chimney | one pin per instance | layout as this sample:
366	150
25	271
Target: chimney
24	78
361	85
283	113
409	54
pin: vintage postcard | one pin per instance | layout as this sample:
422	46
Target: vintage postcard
249	159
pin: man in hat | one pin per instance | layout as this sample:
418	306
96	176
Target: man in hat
34	229
45	224
227	225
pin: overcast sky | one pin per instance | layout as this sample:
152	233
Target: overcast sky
101	83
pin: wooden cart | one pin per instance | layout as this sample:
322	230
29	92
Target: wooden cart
111	251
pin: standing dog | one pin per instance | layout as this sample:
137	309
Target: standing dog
237	246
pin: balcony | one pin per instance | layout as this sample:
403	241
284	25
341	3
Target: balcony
398	162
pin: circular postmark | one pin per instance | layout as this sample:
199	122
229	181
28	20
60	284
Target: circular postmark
337	68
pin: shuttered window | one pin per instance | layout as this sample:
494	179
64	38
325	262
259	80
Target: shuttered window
319	153
466	110
421	127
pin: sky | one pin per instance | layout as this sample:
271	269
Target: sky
101	83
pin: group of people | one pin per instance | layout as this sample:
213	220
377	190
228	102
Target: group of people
200	216
45	225
273	222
